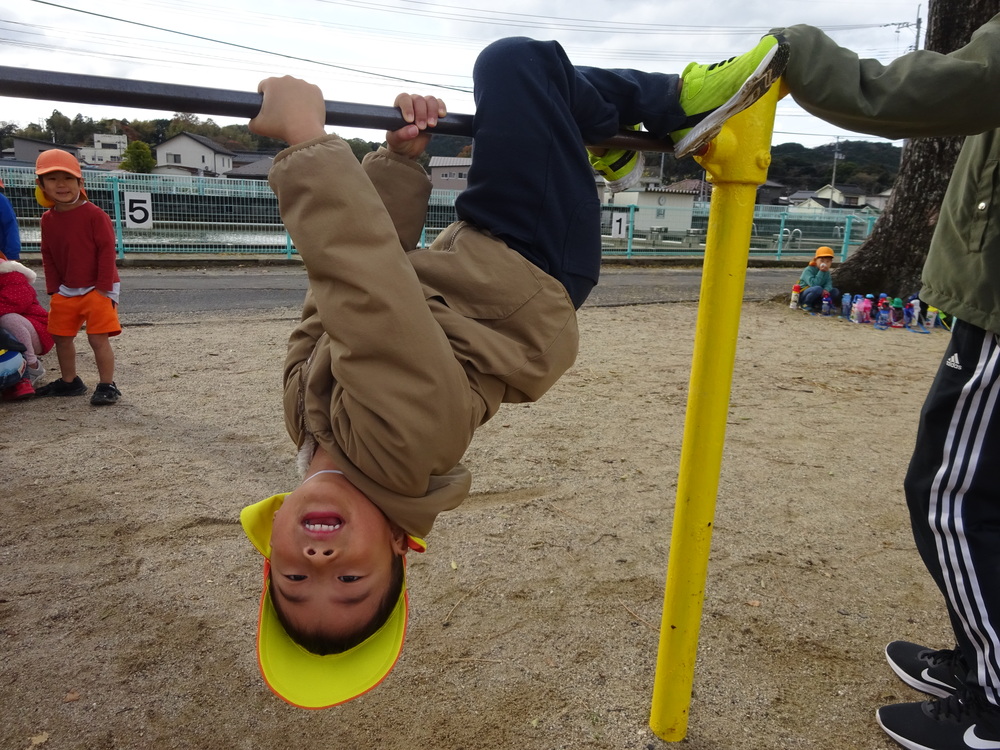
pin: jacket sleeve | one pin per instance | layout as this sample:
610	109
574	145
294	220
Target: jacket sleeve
104	244
301	345
401	404
407	211
922	93
10	234
52	277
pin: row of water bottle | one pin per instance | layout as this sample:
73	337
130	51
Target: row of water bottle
882	312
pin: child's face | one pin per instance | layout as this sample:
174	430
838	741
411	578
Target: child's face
824	262
61	187
331	556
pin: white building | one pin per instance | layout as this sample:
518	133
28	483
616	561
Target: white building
108	150
190	154
666	211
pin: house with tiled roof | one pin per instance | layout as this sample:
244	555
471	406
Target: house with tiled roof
449	172
28	149
257	170
192	154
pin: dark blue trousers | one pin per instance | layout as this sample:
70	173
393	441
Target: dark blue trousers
530	183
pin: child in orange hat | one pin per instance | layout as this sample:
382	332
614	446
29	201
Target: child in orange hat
78	254
816	279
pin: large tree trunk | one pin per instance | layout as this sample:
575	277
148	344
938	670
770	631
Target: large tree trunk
891	259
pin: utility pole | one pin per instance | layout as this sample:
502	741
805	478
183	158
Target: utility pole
836	156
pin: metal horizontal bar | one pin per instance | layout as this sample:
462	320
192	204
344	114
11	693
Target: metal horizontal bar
172	97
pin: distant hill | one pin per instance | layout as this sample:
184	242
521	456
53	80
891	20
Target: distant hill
869	165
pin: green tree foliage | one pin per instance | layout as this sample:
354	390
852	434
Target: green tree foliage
60	127
360	147
35	131
7	129
82	130
185	122
138	158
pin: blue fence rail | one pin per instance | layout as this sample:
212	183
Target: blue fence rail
187	214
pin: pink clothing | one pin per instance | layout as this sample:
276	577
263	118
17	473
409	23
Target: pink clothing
78	249
17	297
21	329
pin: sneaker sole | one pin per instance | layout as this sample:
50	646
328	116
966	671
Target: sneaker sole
49	394
629	180
936	688
768	71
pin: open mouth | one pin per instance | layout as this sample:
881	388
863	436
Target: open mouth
322	523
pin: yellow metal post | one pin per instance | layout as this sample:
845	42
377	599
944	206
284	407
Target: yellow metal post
737	163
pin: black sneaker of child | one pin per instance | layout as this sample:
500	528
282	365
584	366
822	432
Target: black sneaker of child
104	394
60	387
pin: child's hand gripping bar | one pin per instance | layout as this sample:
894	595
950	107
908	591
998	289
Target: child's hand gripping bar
87	89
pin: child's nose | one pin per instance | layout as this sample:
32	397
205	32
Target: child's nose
320	552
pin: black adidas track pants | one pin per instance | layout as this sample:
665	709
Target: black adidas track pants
953	493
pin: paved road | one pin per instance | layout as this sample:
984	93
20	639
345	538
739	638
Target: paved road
149	292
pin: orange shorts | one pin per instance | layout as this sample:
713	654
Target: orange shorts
68	314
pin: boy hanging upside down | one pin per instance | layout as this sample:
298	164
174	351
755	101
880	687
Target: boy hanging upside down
402	353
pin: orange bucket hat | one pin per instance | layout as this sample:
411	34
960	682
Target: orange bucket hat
55	160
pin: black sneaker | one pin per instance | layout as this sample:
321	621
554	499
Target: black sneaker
938	673
958	722
60	387
105	393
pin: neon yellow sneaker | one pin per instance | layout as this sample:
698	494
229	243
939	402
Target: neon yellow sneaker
711	94
620	167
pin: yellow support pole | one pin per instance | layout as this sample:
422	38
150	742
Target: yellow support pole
737	163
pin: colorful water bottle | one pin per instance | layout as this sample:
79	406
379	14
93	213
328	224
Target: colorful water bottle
865	313
827	303
845	306
932	316
897	315
794	304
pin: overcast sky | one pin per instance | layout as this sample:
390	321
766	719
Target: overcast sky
366	51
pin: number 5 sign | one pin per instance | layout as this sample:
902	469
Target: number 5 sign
138	210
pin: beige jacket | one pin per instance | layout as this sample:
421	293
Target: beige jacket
400	356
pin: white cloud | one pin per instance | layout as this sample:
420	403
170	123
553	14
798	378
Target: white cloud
432	44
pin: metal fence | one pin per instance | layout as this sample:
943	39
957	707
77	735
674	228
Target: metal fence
181	214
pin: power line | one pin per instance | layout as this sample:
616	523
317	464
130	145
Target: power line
462	89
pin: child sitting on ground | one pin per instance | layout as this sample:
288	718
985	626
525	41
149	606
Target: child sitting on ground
816	279
26	320
402	353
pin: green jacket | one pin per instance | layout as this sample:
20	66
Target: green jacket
925	94
812	276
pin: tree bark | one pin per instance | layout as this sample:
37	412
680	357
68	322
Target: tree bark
892	257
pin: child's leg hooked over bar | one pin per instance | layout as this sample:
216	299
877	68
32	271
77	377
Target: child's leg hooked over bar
530	182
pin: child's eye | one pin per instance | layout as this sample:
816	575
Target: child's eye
348	579
295	578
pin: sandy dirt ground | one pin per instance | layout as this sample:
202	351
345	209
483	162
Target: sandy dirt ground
128	594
